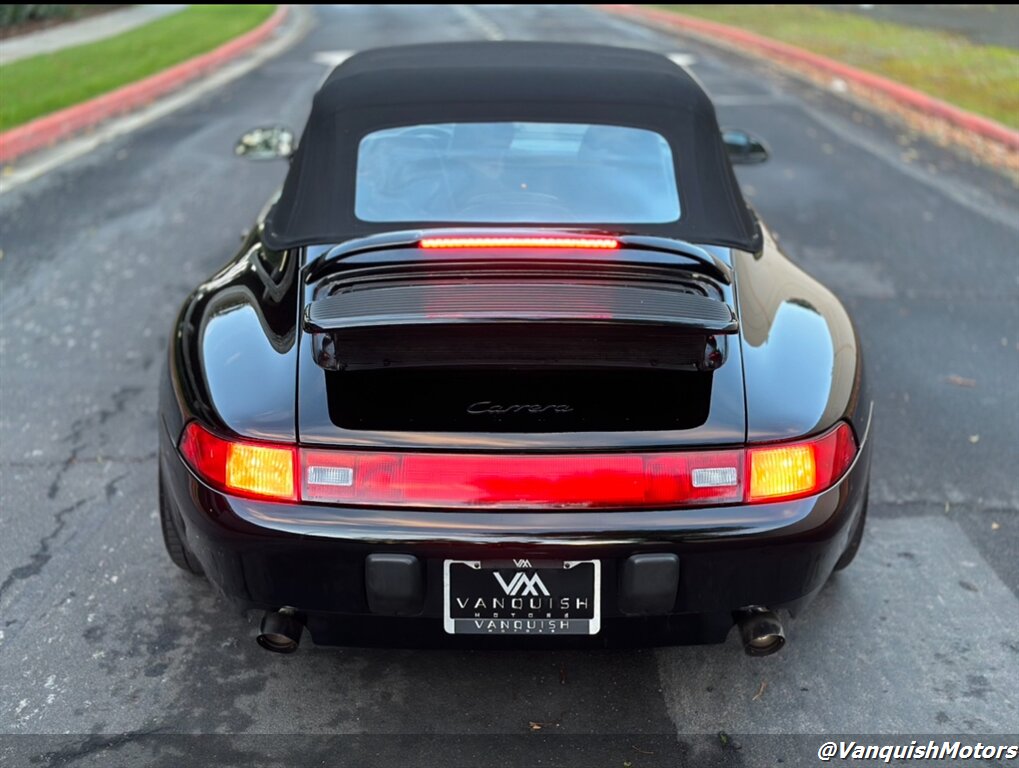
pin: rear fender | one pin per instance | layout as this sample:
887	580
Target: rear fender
802	360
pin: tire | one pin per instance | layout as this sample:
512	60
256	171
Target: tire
854	543
175	546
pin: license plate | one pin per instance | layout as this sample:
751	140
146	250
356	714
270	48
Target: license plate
522	597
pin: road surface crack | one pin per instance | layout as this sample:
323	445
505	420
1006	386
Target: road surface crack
42	554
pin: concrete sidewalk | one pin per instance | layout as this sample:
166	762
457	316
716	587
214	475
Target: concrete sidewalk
81	32
48	130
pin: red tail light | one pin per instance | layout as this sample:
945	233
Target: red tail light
498	480
450	480
517	241
243	468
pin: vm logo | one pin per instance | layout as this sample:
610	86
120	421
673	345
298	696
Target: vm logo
521	584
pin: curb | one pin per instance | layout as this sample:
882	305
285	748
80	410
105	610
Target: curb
49	129
749	42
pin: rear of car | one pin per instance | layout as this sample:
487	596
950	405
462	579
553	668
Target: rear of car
519	406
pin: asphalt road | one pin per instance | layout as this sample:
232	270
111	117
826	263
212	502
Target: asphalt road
101	636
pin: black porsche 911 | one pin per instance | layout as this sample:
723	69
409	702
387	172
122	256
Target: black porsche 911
510	360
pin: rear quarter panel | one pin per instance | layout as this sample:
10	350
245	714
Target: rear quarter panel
802	361
232	357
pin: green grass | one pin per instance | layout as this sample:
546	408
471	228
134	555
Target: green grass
981	78
42	84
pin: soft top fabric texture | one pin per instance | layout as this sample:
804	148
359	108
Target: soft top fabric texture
507	81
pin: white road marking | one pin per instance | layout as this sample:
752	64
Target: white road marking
332	58
627	27
475	19
749	100
683	59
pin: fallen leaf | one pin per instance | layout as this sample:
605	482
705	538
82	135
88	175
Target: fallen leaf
760	691
961	381
974	438
995	526
534	726
641	751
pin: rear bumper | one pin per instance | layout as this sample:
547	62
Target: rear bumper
311	557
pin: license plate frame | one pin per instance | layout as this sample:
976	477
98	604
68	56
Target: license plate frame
522	580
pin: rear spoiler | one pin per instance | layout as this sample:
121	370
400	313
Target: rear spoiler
516	299
530	301
414	246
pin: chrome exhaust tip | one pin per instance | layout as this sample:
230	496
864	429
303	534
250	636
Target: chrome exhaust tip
761	631
280	631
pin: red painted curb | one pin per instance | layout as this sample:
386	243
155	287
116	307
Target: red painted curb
902	94
49	129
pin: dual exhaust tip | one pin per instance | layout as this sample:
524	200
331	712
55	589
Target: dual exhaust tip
760	630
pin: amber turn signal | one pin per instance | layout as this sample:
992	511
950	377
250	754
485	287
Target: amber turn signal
253	470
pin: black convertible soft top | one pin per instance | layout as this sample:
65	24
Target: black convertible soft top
507	81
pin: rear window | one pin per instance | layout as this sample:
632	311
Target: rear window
561	173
